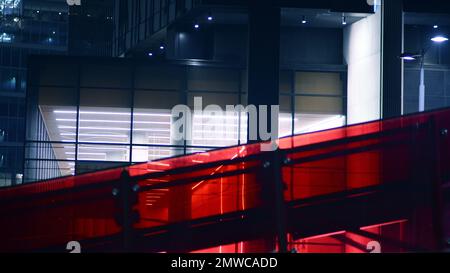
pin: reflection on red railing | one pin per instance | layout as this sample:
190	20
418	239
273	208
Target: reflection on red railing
346	169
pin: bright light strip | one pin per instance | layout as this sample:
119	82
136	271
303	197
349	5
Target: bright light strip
108	142
92	135
243	118
212	138
99	148
95	141
409	58
113	121
112	128
81	153
112	113
218	132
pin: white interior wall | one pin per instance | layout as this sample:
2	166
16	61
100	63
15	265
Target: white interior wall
362	53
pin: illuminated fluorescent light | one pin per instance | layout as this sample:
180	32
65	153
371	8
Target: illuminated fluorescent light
104	148
112	113
112	129
92	135
82	153
109	142
113	121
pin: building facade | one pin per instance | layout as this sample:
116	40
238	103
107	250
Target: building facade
326	65
27	27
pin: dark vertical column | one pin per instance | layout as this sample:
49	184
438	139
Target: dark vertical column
263	89
392	47
263	53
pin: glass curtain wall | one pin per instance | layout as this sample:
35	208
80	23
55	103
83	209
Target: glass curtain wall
84	117
426	36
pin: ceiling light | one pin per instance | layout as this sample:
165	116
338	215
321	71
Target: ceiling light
304	20
409	56
196	26
93	135
435	26
439	39
112	113
344	20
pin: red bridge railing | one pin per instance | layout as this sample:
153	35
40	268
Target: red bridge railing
340	190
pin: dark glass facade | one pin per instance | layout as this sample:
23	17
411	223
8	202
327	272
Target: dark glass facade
103	113
27	27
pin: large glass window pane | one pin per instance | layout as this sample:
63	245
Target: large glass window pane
105	116
149	153
153	118
159	78
285	117
209	79
215	129
110	153
419	30
55	119
322	105
56	74
318	83
318	113
106	76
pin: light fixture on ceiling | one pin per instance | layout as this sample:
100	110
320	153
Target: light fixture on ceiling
210	17
409	56
344	20
196	26
439	39
304	20
150	54
435	26
162	47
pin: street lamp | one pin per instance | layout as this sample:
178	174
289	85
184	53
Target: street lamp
438	39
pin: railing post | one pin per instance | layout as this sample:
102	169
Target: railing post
434	140
126	194
273	187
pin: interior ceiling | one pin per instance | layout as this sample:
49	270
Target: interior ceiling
427	19
318	17
293	17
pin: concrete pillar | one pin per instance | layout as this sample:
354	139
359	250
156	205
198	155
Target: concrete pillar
392	65
263	53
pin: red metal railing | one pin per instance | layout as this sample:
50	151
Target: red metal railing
352	182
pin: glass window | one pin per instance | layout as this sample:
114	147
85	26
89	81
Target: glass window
211	79
111	153
105	116
56	74
106	76
318	83
149	153
159	78
152	116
